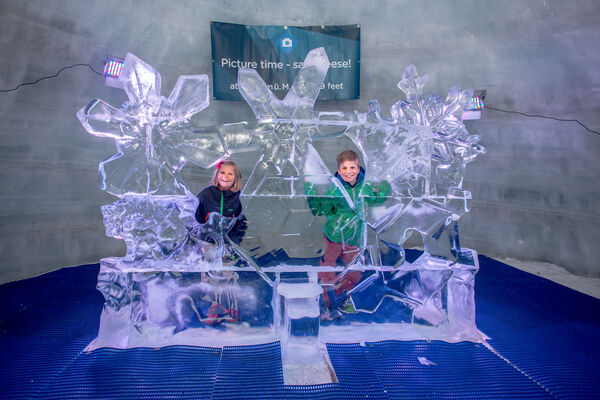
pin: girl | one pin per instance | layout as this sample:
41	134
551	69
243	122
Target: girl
223	195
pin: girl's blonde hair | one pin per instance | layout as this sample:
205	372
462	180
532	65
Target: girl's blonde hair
237	185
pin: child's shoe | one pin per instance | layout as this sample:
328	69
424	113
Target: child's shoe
230	259
330	315
232	315
216	312
348	307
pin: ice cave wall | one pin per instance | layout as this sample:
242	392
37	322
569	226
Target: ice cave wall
535	193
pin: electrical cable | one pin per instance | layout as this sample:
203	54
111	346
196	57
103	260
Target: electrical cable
542	116
50	76
486	106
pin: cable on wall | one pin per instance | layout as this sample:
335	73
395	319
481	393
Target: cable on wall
486	106
50	76
542	116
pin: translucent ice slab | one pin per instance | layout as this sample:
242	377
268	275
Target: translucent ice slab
429	299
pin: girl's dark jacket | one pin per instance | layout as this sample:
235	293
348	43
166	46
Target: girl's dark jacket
225	202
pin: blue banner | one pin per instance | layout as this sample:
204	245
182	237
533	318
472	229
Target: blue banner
277	53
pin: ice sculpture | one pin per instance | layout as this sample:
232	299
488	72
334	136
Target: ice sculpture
174	286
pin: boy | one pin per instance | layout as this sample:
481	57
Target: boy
344	233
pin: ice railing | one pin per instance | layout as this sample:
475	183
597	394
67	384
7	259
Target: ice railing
172	289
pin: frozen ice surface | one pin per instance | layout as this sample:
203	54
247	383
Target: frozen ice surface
187	283
153	136
312	373
153	227
285	128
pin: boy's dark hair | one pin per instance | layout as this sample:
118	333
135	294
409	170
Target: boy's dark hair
347	155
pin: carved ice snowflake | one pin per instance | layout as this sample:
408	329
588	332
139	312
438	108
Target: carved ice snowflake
151	132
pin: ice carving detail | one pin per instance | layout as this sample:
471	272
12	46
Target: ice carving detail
149	131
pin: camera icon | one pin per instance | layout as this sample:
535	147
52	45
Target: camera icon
286	43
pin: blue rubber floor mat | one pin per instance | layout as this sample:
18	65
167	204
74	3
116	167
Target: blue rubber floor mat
549	332
330	391
546	338
354	372
440	370
250	372
178	372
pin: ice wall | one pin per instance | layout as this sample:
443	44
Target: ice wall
532	198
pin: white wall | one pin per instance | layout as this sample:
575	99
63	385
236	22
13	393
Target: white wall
535	192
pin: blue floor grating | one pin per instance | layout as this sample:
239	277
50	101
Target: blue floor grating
332	391
250	372
40	341
181	372
440	370
355	374
544	344
548	331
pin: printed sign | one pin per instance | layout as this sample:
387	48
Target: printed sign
277	53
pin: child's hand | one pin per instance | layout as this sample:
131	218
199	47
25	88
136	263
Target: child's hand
309	189
382	188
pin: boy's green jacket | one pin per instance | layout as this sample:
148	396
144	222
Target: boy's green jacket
346	224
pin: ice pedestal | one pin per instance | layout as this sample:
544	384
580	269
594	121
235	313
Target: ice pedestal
304	360
300	333
431	299
149	305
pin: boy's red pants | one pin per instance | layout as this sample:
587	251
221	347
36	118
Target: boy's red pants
347	253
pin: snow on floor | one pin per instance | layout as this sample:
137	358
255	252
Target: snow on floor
587	285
